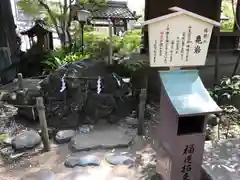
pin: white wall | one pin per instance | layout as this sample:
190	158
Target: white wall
22	22
102	30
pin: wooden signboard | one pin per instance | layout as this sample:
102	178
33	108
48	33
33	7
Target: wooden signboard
179	39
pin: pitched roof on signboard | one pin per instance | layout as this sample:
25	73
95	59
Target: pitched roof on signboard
187	92
178	11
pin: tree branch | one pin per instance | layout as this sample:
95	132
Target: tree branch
44	5
70	13
65	7
69	20
60	7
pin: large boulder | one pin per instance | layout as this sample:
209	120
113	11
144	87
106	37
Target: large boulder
80	98
88	160
64	136
26	140
103	137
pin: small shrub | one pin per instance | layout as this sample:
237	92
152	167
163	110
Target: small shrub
71	57
130	41
223	94
59	57
228	89
97	44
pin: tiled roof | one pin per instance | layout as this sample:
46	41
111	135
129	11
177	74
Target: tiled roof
39	26
114	9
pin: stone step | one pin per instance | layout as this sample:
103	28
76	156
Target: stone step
222	159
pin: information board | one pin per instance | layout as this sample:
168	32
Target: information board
179	39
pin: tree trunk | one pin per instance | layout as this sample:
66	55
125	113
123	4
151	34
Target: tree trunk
64	24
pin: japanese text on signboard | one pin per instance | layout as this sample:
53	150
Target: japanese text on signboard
187	165
182	44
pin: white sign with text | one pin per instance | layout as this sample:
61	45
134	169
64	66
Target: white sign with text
178	39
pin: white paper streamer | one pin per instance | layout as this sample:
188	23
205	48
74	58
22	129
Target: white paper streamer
99	89
63	83
118	82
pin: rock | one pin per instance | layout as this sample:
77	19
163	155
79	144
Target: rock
131	121
64	136
221	159
119	160
106	136
40	175
212	133
157	177
86	129
28	139
212	120
96	106
89	160
99	106
134	114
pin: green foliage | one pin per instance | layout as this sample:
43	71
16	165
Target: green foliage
224	94
230	109
30	7
228	89
59	57
34	9
71	57
97	44
92	5
133	66
3	136
54	9
130	41
51	63
56	13
227	10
